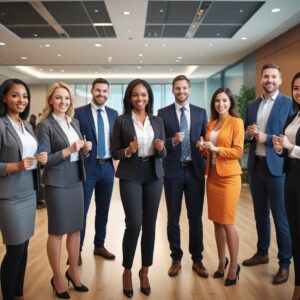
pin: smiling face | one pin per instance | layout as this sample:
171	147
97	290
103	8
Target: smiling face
296	91
100	93
139	98
222	104
270	81
16	99
60	101
181	91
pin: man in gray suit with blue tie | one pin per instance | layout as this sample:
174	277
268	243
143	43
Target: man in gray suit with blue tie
264	118
184	166
96	125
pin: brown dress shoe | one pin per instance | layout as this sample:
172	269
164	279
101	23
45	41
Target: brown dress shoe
256	260
175	267
281	277
79	263
101	251
199	268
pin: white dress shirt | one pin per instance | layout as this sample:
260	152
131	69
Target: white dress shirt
70	133
106	126
145	136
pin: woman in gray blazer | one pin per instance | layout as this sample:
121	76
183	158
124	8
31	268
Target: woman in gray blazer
18	179
138	142
63	175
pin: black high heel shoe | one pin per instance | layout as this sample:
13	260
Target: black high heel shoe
229	282
78	288
218	274
145	290
127	293
63	295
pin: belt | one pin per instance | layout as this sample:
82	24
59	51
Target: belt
260	157
103	160
146	158
185	163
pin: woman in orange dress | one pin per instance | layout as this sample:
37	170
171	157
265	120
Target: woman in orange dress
223	147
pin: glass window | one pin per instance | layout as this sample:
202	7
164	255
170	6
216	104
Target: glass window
234	78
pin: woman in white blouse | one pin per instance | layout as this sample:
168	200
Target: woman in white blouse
288	145
138	142
18	179
63	175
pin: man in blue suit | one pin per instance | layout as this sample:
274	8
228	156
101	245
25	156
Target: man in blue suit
266	117
96	125
184	173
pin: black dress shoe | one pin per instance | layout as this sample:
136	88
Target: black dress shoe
127	292
62	295
145	290
229	282
218	274
101	251
78	288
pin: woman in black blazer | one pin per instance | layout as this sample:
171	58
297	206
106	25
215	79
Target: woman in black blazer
59	134
18	180
138	142
288	145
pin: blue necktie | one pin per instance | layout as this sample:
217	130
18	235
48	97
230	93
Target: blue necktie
101	135
185	147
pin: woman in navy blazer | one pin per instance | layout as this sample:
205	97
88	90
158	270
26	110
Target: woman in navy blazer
138	142
18	179
60	136
288	145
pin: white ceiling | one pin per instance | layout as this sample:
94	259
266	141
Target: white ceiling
156	60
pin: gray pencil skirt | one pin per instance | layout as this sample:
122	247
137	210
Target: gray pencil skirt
65	204
17	214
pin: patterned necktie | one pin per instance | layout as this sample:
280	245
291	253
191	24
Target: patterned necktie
185	147
101	135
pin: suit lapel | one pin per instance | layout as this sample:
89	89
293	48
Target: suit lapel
129	123
110	121
154	126
74	125
59	130
13	133
91	119
173	116
274	109
256	106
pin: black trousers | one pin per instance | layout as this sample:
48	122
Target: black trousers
13	271
292	204
140	199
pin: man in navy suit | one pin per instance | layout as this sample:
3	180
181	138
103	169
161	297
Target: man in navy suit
96	125
266	117
184	173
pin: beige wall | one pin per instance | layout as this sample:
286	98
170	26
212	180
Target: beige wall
38	98
284	51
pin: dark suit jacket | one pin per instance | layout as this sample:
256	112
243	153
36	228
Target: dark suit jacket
285	152
53	140
171	162
123	134
11	151
281	110
87	128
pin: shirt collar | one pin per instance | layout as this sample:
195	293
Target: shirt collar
60	120
272	98
178	106
134	116
95	107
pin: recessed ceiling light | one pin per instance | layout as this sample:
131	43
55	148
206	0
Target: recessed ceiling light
275	10
244	38
109	58
98	45
35	35
146	45
171	70
51	70
164	45
179	57
141	61
41	69
140	54
2	44
62	71
102	24
24	57
218	34
177	60
47	45
161	10
59	55
241	10
211	44
126	13
139	67
96	10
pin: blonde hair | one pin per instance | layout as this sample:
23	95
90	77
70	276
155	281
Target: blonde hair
48	109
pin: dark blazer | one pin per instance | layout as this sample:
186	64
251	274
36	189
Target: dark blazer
123	134
171	162
53	140
285	152
11	151
87	128
281	110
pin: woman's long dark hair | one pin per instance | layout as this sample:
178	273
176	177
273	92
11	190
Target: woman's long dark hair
127	106
296	105
233	108
5	88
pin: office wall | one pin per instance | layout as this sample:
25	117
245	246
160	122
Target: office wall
284	51
38	98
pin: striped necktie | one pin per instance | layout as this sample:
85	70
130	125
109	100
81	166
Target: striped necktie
185	147
101	135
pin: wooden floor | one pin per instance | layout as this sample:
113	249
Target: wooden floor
104	277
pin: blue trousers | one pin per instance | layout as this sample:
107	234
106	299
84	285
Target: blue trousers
268	194
102	182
